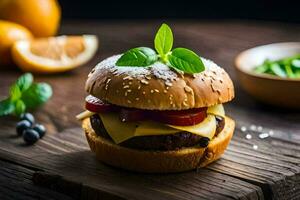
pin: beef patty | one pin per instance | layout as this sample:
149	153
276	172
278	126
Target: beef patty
158	142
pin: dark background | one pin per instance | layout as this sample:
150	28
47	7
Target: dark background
284	10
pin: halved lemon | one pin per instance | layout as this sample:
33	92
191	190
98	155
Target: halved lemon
54	54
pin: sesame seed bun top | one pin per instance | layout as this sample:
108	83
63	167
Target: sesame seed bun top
158	87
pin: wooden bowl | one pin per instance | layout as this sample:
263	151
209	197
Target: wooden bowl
284	92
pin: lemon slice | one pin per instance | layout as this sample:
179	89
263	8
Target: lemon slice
54	54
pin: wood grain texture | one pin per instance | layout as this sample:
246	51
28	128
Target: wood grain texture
64	162
78	170
16	183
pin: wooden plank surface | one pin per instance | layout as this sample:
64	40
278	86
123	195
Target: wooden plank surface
63	161
16	183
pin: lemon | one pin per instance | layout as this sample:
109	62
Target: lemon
54	54
9	33
41	17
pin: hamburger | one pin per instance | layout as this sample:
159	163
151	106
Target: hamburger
157	117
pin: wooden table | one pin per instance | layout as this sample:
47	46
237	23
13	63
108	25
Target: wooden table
60	166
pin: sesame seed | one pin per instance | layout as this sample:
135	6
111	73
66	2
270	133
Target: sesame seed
126	86
167	88
107	82
148	77
165	91
137	99
125	94
128	91
168	83
130	83
128	101
127	78
123	120
152	91
139	87
144	92
187	89
144	81
156	90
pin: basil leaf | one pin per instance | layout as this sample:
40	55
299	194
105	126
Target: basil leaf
15	92
277	70
138	57
186	61
20	107
163	41
6	107
24	82
37	94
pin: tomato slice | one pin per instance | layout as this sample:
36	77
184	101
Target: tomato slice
96	105
180	118
131	114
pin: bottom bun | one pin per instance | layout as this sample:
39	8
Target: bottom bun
158	161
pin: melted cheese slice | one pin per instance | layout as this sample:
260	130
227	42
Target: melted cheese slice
216	110
121	131
118	131
206	128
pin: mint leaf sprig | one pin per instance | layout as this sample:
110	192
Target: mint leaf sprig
25	94
180	58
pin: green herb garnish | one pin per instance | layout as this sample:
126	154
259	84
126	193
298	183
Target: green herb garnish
25	94
180	58
287	67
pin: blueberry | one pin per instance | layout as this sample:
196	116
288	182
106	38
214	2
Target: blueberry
30	136
40	129
22	126
29	117
204	142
